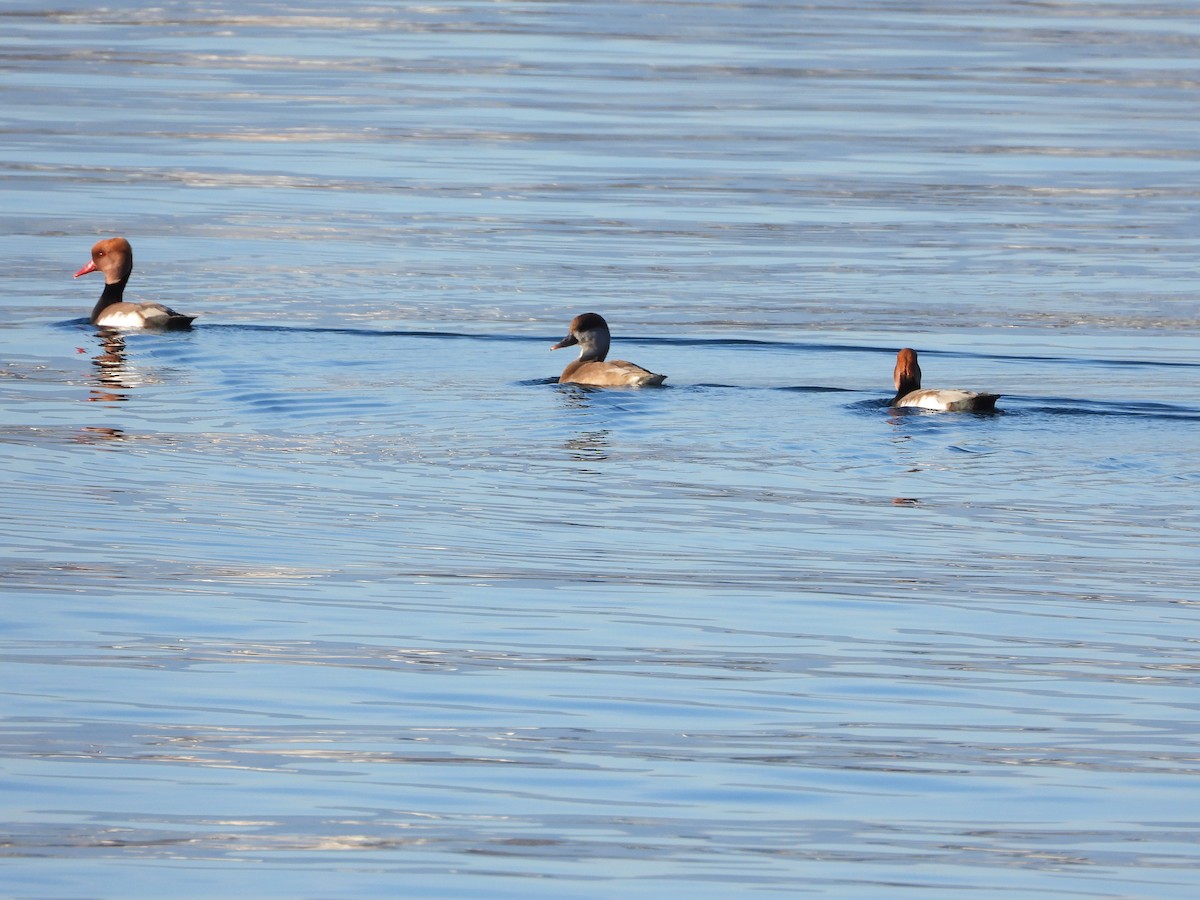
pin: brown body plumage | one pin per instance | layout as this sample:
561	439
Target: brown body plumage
590	332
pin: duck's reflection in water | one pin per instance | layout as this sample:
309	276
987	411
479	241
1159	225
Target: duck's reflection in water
114	378
591	445
575	396
95	434
588	446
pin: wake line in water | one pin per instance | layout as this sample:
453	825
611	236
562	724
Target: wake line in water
474	336
1021	405
1018	405
799	346
1058	407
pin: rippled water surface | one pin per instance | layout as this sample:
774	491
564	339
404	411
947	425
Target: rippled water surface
340	594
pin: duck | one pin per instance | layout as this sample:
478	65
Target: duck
590	332
909	393
114	257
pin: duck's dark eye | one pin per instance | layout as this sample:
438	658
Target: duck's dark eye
99	252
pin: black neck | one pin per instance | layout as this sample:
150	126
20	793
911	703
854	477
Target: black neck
113	293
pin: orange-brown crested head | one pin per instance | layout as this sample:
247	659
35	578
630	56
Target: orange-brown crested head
907	374
113	257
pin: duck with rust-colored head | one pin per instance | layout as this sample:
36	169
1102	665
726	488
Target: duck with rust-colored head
114	257
590	332
909	393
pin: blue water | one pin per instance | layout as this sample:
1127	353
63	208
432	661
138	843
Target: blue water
340	594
